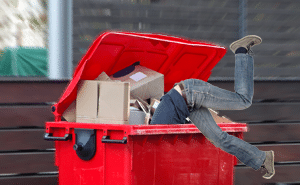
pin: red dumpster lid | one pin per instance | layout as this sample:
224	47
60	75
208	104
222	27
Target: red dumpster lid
178	59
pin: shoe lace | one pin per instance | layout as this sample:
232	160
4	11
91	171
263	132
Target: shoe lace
263	169
250	52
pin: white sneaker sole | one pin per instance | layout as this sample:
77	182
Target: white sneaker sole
273	167
244	42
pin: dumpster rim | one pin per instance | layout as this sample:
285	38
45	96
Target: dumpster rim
146	129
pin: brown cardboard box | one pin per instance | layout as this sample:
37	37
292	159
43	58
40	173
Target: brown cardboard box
217	118
70	112
103	102
103	77
144	82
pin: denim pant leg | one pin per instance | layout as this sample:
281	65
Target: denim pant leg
202	95
245	152
207	95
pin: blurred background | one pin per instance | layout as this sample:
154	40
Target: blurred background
42	41
23	38
24	25
217	21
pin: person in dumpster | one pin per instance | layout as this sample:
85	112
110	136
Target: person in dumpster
192	98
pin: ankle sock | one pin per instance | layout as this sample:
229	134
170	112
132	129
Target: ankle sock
241	50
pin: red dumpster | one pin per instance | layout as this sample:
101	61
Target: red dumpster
140	154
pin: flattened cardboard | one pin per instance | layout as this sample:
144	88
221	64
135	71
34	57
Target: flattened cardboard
132	102
103	102
144	82
70	113
153	105
143	106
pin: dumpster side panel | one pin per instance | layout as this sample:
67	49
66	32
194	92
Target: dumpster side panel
175	159
63	154
73	170
168	155
144	160
226	165
118	161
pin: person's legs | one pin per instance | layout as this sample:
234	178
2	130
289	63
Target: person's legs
245	152
200	93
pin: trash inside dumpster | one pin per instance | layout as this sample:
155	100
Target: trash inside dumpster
107	138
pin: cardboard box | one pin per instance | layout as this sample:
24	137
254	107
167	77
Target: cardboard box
103	77
144	82
103	102
70	113
217	118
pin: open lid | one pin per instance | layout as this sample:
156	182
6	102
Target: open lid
177	59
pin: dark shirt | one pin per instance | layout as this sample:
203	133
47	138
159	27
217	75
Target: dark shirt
172	109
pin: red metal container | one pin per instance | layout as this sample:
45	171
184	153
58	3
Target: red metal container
152	154
131	154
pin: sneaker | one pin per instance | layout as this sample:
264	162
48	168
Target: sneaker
269	164
245	42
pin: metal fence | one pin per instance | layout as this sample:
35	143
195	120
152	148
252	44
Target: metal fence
217	21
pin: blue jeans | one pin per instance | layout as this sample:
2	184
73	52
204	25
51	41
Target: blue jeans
201	95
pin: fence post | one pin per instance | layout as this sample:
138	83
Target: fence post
242	18
60	39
